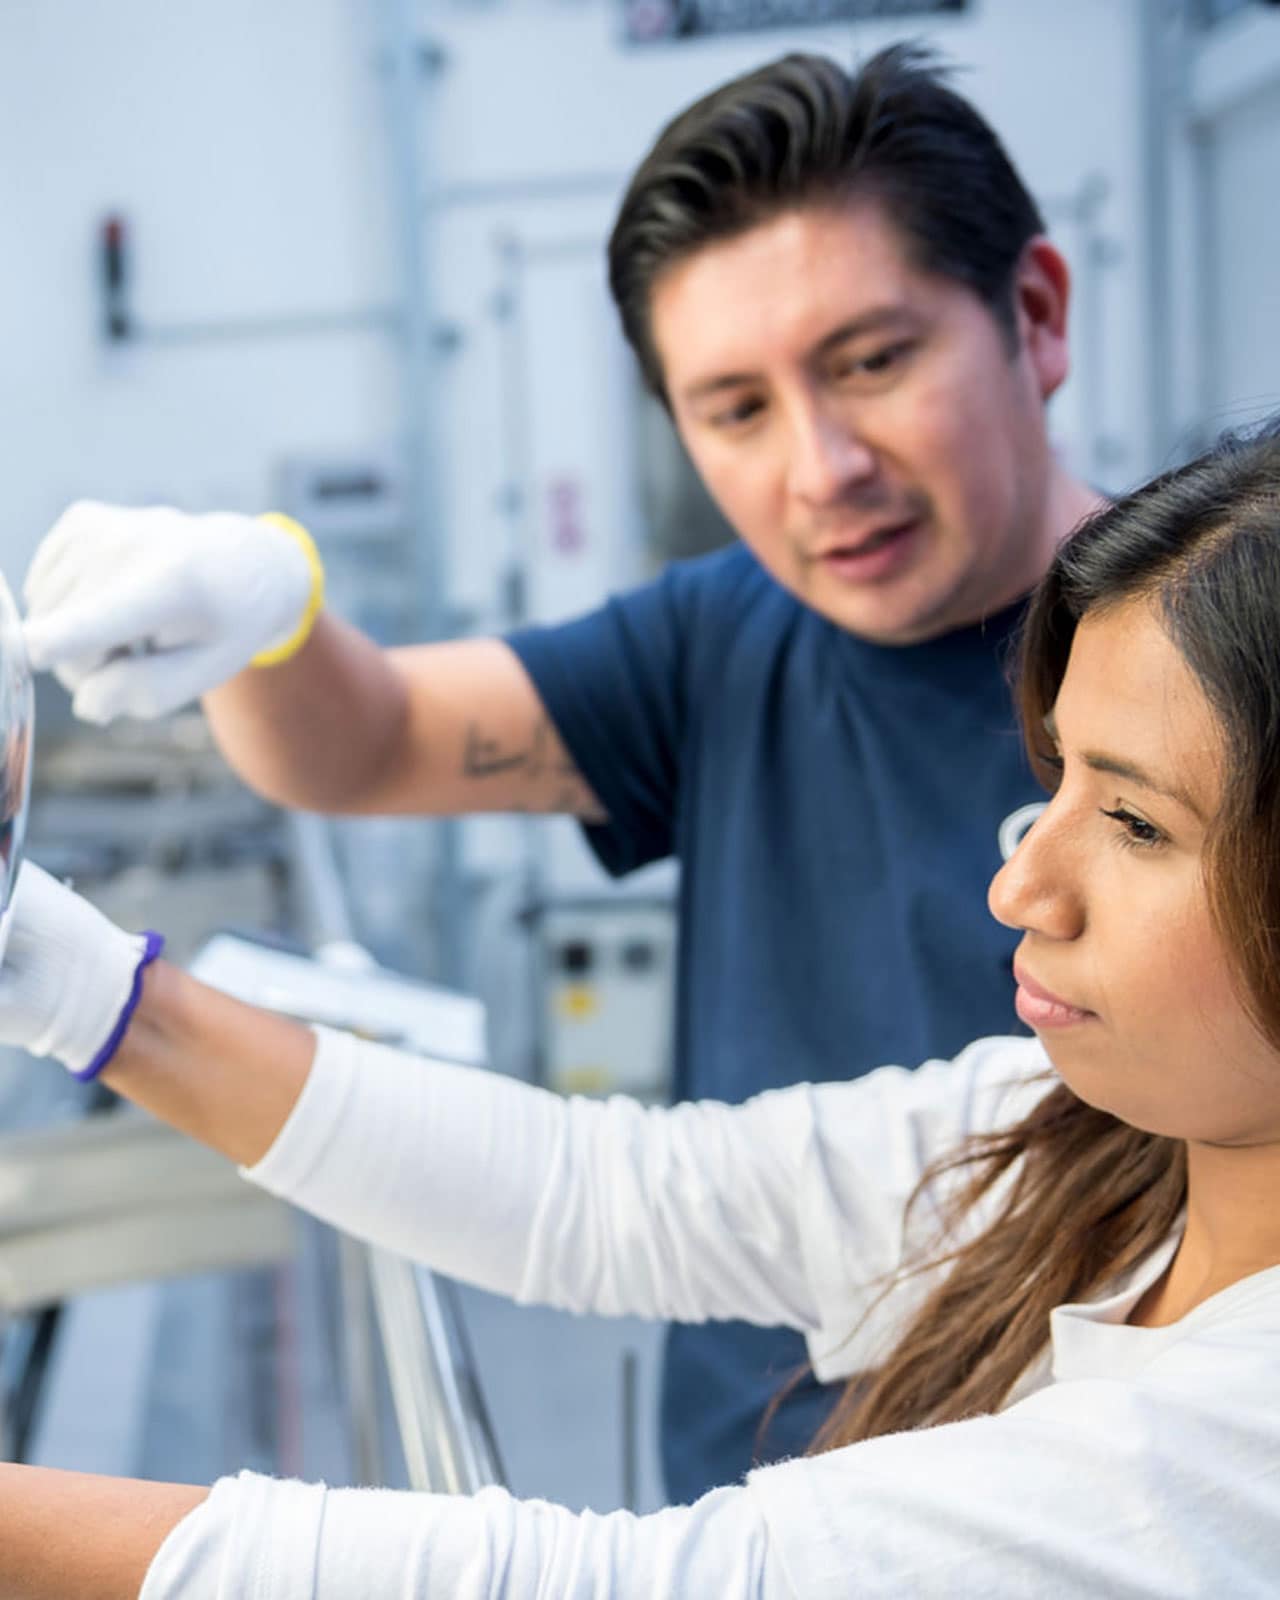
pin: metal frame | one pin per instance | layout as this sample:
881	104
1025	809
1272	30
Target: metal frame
391	1308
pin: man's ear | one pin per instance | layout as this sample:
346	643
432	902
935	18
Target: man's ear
1041	292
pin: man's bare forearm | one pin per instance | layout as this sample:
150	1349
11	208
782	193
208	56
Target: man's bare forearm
316	731
538	760
433	730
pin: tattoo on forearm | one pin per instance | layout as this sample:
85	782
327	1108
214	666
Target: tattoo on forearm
484	757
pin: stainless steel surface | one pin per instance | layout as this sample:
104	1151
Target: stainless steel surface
359	1359
443	1445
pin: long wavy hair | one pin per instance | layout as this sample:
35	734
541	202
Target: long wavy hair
1090	1196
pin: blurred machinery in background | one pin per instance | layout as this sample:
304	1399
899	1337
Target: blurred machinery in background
235	1331
151	824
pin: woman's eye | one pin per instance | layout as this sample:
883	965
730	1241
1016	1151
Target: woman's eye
1135	830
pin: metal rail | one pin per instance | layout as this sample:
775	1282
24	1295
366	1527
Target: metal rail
445	1434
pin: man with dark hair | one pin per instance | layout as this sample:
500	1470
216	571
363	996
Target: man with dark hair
841	290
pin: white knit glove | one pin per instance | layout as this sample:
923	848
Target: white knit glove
139	612
68	972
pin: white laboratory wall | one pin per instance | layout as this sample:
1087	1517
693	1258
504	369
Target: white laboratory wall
1244	369
241	140
1236	96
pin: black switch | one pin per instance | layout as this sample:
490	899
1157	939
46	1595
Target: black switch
575	957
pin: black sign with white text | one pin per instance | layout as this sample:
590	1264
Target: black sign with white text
656	21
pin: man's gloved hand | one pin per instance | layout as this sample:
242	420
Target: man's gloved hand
68	973
138	612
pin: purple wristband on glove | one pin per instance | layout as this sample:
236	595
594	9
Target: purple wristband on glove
152	946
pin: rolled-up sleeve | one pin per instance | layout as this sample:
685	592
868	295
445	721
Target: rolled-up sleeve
781	1211
259	1539
1158	1487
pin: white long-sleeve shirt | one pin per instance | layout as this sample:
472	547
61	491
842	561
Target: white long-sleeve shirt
1134	1463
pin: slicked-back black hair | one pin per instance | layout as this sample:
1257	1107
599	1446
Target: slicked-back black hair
804	131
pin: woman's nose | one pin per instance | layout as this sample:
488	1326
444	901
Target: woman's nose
1038	890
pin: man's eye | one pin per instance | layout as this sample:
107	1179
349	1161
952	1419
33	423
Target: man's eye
882	359
879	361
734	416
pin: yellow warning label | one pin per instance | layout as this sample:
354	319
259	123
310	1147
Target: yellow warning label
577	1001
582	1080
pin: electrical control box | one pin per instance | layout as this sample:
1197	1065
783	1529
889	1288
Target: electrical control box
608	970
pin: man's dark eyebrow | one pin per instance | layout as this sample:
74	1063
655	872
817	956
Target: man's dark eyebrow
876	320
1099	761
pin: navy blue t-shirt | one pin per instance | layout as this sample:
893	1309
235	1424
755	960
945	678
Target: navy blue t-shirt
835	806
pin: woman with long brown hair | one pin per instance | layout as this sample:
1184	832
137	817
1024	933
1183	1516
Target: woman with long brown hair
1048	1270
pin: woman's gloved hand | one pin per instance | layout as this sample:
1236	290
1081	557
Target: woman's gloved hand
138	612
69	976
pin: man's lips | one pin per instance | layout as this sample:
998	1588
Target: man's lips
870	558
1040	1007
863	543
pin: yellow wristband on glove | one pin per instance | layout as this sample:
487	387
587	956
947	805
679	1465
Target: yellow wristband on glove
315	600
